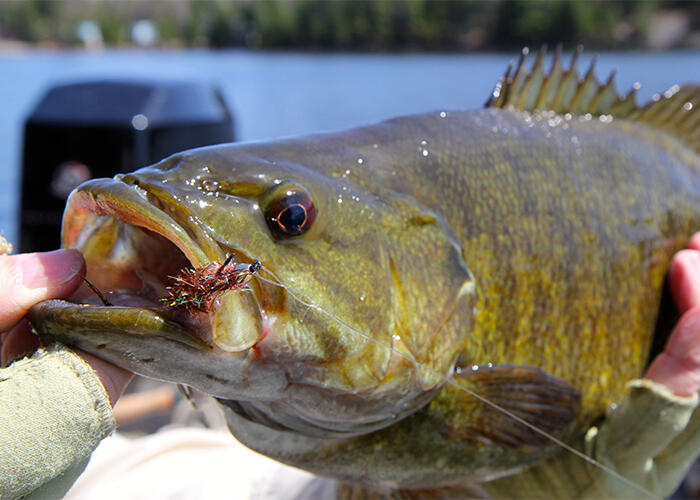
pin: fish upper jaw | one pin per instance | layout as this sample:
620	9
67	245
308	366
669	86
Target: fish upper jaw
134	237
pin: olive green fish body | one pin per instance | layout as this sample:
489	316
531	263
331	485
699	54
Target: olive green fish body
568	226
568	229
424	280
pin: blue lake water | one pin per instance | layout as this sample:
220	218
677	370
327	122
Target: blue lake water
278	94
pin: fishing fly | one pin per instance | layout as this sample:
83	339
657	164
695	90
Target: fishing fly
197	289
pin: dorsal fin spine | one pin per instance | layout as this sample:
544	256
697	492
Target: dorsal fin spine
605	98
534	83
586	92
519	77
665	116
691	121
551	83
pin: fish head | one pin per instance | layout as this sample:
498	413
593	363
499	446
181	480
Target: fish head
353	321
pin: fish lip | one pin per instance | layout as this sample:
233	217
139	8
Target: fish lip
111	197
135	203
88	317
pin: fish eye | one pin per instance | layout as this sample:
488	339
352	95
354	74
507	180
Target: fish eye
291	214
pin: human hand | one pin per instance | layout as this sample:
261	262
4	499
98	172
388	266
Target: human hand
27	279
678	367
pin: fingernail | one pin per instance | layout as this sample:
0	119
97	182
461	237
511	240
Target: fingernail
41	270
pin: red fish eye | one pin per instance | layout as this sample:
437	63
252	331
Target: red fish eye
292	215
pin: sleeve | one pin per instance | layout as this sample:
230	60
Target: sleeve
643	448
54	411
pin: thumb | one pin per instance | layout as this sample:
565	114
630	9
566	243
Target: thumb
27	279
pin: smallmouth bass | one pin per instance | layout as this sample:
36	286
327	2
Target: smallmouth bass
494	249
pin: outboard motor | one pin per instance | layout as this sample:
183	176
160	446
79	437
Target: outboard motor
101	128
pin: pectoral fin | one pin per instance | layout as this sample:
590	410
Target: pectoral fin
544	401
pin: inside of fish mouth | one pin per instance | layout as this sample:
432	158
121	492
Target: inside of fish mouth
136	271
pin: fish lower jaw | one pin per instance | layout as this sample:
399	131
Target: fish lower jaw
142	252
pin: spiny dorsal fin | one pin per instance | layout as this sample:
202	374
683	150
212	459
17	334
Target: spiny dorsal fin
563	91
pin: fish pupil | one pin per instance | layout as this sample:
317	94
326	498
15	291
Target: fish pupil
292	218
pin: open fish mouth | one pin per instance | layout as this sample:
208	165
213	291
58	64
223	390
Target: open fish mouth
135	238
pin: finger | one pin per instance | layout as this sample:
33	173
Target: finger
684	279
30	278
678	367
113	378
695	241
19	341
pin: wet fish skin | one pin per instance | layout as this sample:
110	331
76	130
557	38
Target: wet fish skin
477	237
562	226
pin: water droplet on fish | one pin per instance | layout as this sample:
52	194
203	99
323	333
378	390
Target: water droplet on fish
347	172
256	206
475	368
375	146
362	298
443	114
423	142
688	106
669	93
636	85
396	337
424	152
360	161
206	169
204	204
340	199
277	181
344	188
494	130
209	185
574	139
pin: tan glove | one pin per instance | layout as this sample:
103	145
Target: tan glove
53	413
